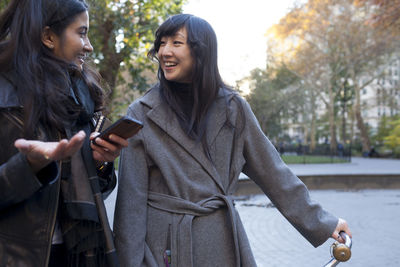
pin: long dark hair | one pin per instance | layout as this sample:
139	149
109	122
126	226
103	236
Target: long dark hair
41	80
206	79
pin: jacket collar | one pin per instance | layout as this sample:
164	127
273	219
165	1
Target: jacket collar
159	114
8	95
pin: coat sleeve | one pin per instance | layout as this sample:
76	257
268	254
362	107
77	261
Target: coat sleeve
286	191
18	182
130	218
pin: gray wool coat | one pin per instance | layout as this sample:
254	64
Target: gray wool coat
172	197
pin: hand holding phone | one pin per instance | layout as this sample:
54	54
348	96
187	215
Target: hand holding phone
125	127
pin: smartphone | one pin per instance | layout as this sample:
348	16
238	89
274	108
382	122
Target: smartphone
125	127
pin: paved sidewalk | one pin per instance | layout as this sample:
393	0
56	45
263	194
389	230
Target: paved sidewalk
373	215
356	166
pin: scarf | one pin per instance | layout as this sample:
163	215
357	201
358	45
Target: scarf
82	230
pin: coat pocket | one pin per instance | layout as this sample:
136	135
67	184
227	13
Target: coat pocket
167	251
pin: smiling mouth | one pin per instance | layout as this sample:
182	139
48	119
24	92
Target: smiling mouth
170	64
82	57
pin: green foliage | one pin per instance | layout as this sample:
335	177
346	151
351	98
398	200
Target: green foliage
392	141
383	130
3	4
293	159
274	96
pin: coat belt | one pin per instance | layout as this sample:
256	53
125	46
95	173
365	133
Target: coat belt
181	247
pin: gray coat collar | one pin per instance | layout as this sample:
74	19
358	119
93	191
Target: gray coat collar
159	113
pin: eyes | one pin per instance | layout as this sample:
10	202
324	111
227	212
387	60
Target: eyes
83	32
174	42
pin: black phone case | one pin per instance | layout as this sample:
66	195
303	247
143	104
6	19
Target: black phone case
125	127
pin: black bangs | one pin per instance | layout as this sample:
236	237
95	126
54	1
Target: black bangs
170	27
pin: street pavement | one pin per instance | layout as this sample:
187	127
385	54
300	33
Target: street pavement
356	166
373	216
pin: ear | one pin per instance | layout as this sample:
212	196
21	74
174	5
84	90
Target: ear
48	37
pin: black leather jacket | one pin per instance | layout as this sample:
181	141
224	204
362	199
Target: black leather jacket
28	208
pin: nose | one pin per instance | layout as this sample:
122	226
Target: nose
88	46
166	50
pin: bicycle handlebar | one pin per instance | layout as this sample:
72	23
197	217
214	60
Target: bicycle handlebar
340	252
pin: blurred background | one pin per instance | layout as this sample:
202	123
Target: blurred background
322	76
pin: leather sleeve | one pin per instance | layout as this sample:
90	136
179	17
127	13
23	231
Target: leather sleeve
17	181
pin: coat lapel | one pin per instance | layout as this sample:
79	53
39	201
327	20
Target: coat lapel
159	114
217	118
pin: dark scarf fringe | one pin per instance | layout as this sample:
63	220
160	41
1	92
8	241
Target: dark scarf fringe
82	232
90	258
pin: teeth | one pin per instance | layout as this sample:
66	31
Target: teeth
169	64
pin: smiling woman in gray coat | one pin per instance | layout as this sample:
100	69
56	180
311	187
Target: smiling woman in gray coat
176	179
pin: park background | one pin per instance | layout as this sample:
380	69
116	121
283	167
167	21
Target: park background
322	76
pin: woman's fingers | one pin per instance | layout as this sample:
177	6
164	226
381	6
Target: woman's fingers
341	226
67	148
108	151
104	154
37	150
119	140
116	142
23	146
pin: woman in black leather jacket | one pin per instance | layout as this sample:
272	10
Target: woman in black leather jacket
48	101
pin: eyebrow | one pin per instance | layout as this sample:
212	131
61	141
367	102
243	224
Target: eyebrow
177	34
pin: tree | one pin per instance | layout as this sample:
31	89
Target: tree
274	98
393	139
386	13
384	128
315	55
328	45
3	4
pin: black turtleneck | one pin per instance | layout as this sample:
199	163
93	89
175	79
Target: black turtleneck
184	97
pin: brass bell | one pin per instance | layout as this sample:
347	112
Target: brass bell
341	252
